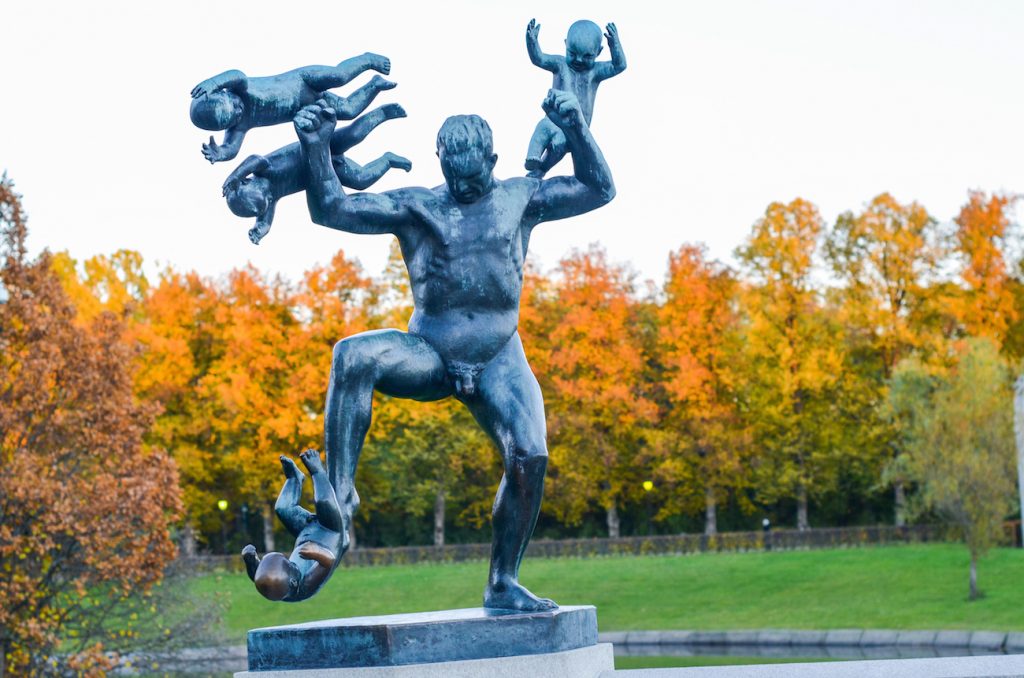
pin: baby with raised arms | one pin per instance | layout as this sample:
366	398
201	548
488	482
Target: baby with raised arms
578	72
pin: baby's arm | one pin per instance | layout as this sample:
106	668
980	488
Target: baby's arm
263	224
236	81
548	62
252	561
228	150
251	165
609	69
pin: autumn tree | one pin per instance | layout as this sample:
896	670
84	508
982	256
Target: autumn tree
591	376
959	441
883	259
986	308
85	507
793	363
703	446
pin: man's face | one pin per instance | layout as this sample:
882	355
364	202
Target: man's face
469	174
581	51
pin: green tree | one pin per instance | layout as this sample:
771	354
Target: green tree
959	442
883	258
793	367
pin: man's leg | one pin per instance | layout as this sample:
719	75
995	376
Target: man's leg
509	407
396	363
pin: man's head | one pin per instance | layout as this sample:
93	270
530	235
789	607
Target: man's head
582	45
216	111
249	198
465	148
276	577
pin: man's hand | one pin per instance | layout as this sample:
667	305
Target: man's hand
207	86
563	109
533	32
611	34
315	123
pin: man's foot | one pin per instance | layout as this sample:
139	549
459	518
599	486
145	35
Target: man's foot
379	63
514	596
398	162
290	469
381	84
392	111
311	460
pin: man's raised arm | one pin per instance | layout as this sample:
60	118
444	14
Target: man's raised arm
328	204
591	185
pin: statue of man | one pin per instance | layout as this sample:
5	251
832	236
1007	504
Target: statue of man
464	244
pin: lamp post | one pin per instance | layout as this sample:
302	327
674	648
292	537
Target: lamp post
648	486
222	504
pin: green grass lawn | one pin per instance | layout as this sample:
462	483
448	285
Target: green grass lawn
894	587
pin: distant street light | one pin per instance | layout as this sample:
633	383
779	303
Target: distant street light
648	485
222	504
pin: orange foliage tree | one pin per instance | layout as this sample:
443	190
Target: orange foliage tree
703	446
987	307
85	507
586	346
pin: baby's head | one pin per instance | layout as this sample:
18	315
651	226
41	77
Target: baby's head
582	45
249	198
216	111
276	577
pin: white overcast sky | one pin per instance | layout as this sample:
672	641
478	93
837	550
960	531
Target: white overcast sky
726	106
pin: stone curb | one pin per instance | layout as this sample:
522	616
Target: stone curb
983	641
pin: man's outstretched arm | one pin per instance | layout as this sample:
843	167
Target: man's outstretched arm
591	185
328	204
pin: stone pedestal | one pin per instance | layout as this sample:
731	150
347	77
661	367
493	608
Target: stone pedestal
466	643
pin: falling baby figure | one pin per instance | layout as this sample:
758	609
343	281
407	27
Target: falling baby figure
236	103
320	538
255	186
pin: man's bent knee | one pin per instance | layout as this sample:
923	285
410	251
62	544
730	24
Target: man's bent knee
353	358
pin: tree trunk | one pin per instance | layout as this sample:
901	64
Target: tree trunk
613	522
268	528
439	502
710	512
974	578
1018	426
188	542
900	503
801	509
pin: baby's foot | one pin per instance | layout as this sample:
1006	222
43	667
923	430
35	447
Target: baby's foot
398	162
515	596
379	63
380	84
311	459
290	469
392	111
532	163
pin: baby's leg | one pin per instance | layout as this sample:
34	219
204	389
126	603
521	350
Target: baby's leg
327	510
329	77
355	103
287	507
538	143
361	177
347	137
557	148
